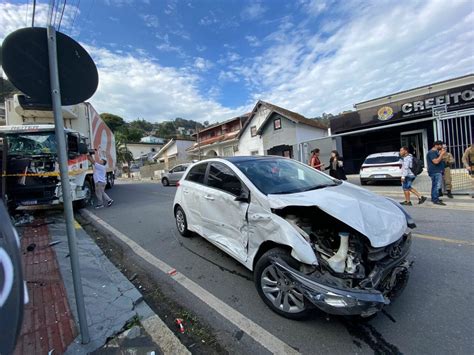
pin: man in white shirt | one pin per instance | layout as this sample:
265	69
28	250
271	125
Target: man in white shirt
408	177
100	181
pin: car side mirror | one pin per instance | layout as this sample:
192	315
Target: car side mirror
244	196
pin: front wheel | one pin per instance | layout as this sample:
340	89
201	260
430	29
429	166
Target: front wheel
110	180
278	292
165	182
88	199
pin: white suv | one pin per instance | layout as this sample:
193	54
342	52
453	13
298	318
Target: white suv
381	166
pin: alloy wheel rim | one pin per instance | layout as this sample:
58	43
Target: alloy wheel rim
281	291
180	221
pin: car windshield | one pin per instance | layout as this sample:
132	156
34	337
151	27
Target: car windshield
32	143
382	159
283	176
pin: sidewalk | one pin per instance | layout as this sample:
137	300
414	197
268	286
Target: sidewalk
119	320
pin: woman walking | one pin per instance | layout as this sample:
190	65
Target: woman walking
336	166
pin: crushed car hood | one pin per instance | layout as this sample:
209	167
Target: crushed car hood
376	217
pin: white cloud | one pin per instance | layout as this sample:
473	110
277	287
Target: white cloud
314	7
253	41
200	48
150	20
202	64
208	20
228	76
382	48
136	85
253	11
13	17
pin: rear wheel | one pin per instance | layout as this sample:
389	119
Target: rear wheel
363	182
110	180
276	290
181	222
165	182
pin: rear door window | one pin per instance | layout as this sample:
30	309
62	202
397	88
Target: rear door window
382	160
197	173
223	178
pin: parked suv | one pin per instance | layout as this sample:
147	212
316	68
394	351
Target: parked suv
174	175
381	167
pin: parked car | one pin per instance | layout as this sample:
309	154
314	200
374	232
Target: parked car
381	167
311	240
174	175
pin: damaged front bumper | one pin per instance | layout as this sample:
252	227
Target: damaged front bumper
350	301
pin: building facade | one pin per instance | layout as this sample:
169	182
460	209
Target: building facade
218	140
273	130
413	118
174	152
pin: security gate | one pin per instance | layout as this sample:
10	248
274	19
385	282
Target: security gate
455	129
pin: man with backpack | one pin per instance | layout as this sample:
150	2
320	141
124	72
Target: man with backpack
435	170
411	167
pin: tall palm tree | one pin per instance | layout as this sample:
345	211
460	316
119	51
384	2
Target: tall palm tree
123	154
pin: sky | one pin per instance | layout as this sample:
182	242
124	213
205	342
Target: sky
213	60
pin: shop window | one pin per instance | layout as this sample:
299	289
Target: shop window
253	131
277	124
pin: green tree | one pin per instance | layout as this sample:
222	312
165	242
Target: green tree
142	124
130	134
114	122
123	154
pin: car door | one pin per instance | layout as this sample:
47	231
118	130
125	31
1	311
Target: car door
224	218
192	187
173	174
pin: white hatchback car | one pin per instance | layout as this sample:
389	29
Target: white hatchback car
381	167
311	240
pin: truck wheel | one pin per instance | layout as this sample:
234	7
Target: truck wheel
276	290
87	201
110	181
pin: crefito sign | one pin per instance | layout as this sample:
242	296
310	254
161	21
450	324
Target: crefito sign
453	100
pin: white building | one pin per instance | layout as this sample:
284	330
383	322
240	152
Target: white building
174	152
144	151
152	139
274	130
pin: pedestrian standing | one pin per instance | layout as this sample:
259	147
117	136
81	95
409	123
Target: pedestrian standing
449	161
468	162
435	170
314	161
336	166
408	177
100	182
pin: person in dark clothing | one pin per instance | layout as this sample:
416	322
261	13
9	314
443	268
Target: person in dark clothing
436	167
336	167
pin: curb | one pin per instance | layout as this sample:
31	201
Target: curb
167	341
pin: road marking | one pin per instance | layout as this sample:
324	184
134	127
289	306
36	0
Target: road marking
77	225
256	332
441	239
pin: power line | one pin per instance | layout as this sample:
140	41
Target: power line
26	15
33	17
75	14
50	13
62	13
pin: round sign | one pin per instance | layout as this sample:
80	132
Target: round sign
25	61
385	113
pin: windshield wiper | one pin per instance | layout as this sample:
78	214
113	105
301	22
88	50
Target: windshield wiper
317	187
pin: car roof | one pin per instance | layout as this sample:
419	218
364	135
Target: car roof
239	159
385	154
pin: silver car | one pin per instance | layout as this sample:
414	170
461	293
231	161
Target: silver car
311	240
174	175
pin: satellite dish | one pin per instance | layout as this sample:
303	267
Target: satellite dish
26	63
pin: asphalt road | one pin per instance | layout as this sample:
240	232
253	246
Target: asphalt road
433	315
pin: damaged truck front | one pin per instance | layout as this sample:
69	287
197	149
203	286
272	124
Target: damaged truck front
361	247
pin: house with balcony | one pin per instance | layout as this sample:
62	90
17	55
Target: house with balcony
220	139
274	130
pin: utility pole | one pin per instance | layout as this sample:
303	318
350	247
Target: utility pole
65	186
197	140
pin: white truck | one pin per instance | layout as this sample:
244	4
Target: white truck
29	163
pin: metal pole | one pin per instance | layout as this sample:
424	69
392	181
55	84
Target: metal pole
66	187
33	17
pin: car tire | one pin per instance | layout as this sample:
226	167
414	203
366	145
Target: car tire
181	222
165	182
363	182
110	181
266	275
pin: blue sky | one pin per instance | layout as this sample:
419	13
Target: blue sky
211	60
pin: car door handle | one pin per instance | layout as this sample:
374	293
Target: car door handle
186	191
259	217
210	198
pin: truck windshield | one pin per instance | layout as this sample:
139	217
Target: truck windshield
32	143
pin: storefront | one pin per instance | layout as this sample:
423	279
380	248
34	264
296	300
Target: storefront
414	118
